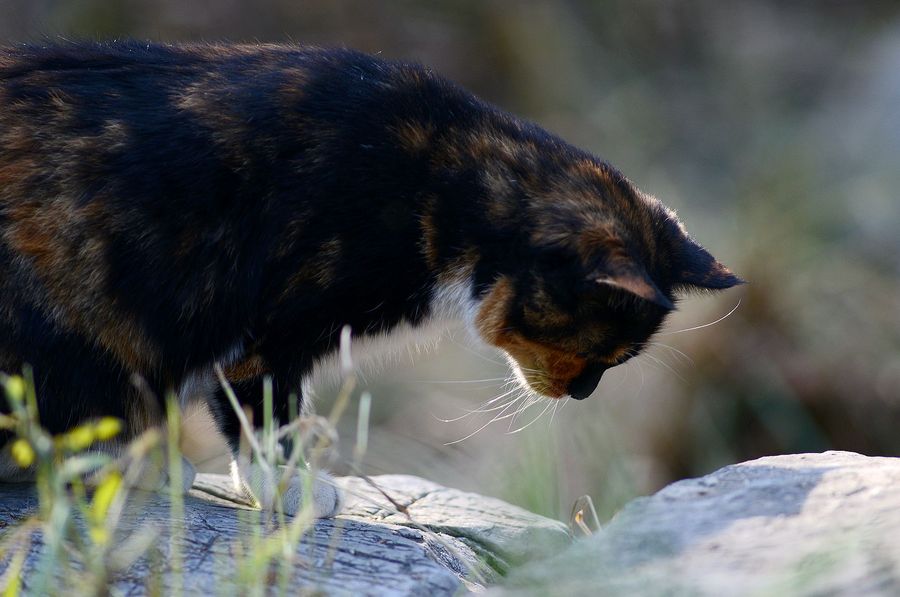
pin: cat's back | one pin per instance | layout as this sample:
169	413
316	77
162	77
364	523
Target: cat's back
128	124
115	110
163	181
128	169
74	88
89	62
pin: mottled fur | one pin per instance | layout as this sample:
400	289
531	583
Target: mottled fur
166	208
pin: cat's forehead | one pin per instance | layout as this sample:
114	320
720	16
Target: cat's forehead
588	331
570	198
592	207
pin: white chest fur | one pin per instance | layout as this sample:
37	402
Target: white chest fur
451	304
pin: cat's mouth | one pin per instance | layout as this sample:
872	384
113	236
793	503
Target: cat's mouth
542	384
579	387
545	384
584	385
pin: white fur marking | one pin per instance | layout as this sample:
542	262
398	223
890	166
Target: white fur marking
252	480
450	303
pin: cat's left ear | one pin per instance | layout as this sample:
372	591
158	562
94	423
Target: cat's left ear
628	276
697	268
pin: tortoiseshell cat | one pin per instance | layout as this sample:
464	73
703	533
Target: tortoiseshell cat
167	208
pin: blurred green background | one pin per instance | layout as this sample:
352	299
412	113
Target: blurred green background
772	127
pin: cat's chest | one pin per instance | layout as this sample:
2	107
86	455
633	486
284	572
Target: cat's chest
451	305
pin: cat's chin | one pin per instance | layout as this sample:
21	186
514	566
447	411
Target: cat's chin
540	385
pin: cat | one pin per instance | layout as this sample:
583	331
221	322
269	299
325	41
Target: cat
167	208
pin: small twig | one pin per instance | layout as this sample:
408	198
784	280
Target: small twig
400	507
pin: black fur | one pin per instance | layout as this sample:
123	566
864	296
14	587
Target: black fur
162	205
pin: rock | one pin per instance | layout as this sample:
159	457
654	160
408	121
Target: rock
503	534
450	540
806	524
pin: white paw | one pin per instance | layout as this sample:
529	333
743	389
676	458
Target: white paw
326	497
262	487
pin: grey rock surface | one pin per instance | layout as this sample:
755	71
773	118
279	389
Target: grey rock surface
448	541
503	534
806	524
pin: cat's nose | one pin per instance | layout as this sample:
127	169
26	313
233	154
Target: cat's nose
584	385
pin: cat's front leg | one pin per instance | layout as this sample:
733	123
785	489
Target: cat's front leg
263	481
263	484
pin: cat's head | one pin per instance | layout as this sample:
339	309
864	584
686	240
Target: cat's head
592	277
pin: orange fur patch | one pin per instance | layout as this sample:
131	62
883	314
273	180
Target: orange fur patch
429	234
548	370
74	273
248	368
413	136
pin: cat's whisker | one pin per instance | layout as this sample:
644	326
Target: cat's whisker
705	325
656	359
563	407
476	411
508	405
460	381
476	353
481	409
622	381
553	413
494	408
532	421
673	350
501	416
531	401
503	395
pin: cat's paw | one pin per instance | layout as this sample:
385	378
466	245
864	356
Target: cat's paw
326	497
262	487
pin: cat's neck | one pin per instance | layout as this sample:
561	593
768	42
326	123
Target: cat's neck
451	307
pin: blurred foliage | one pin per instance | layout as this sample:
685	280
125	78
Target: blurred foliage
772	127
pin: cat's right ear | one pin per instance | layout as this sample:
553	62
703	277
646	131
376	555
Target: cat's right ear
696	268
626	275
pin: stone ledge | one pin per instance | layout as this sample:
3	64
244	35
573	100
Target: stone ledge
805	524
450	540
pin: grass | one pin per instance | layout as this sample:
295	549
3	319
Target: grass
84	495
77	525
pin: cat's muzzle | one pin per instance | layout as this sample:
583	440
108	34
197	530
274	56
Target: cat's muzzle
584	385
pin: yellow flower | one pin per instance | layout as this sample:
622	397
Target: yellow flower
99	535
22	452
79	438
15	388
107	428
103	497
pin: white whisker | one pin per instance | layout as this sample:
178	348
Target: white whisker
475	353
664	364
481	409
512	402
555	408
673	350
530	423
459	381
705	325
531	401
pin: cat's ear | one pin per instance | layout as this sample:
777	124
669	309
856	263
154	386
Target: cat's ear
632	278
698	269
